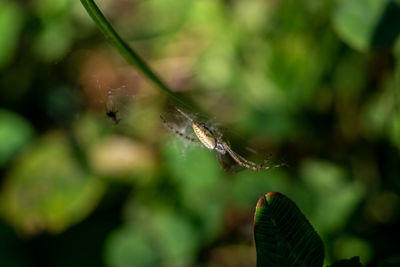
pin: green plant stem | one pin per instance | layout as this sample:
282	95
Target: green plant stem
127	52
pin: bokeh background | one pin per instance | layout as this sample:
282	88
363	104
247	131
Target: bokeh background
314	83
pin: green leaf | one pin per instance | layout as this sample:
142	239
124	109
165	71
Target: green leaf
353	262
283	235
47	189
367	23
15	132
49	44
55	18
11	19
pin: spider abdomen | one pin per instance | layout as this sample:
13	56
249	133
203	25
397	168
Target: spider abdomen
204	134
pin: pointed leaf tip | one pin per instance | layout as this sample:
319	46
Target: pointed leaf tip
271	195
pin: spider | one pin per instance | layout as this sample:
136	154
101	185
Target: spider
215	142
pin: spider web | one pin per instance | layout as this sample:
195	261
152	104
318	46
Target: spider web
181	121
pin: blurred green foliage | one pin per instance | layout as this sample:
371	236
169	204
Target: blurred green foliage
315	83
11	19
47	190
15	133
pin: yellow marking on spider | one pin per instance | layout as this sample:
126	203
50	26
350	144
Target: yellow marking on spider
205	136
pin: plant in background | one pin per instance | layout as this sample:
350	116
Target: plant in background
283	235
133	198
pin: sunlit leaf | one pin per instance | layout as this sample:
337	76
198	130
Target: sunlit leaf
15	132
120	156
283	235
50	45
11	17
47	189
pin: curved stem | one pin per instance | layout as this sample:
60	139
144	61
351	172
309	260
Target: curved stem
123	48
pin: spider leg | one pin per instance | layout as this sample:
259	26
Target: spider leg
172	129
265	161
236	156
240	160
249	164
262	165
259	166
184	114
272	166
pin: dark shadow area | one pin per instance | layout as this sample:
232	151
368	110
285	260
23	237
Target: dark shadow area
388	27
81	245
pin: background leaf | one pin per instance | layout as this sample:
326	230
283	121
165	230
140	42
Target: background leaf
15	132
11	20
367	23
47	190
283	235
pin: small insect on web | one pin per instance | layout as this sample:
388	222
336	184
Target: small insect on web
115	98
112	110
215	142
